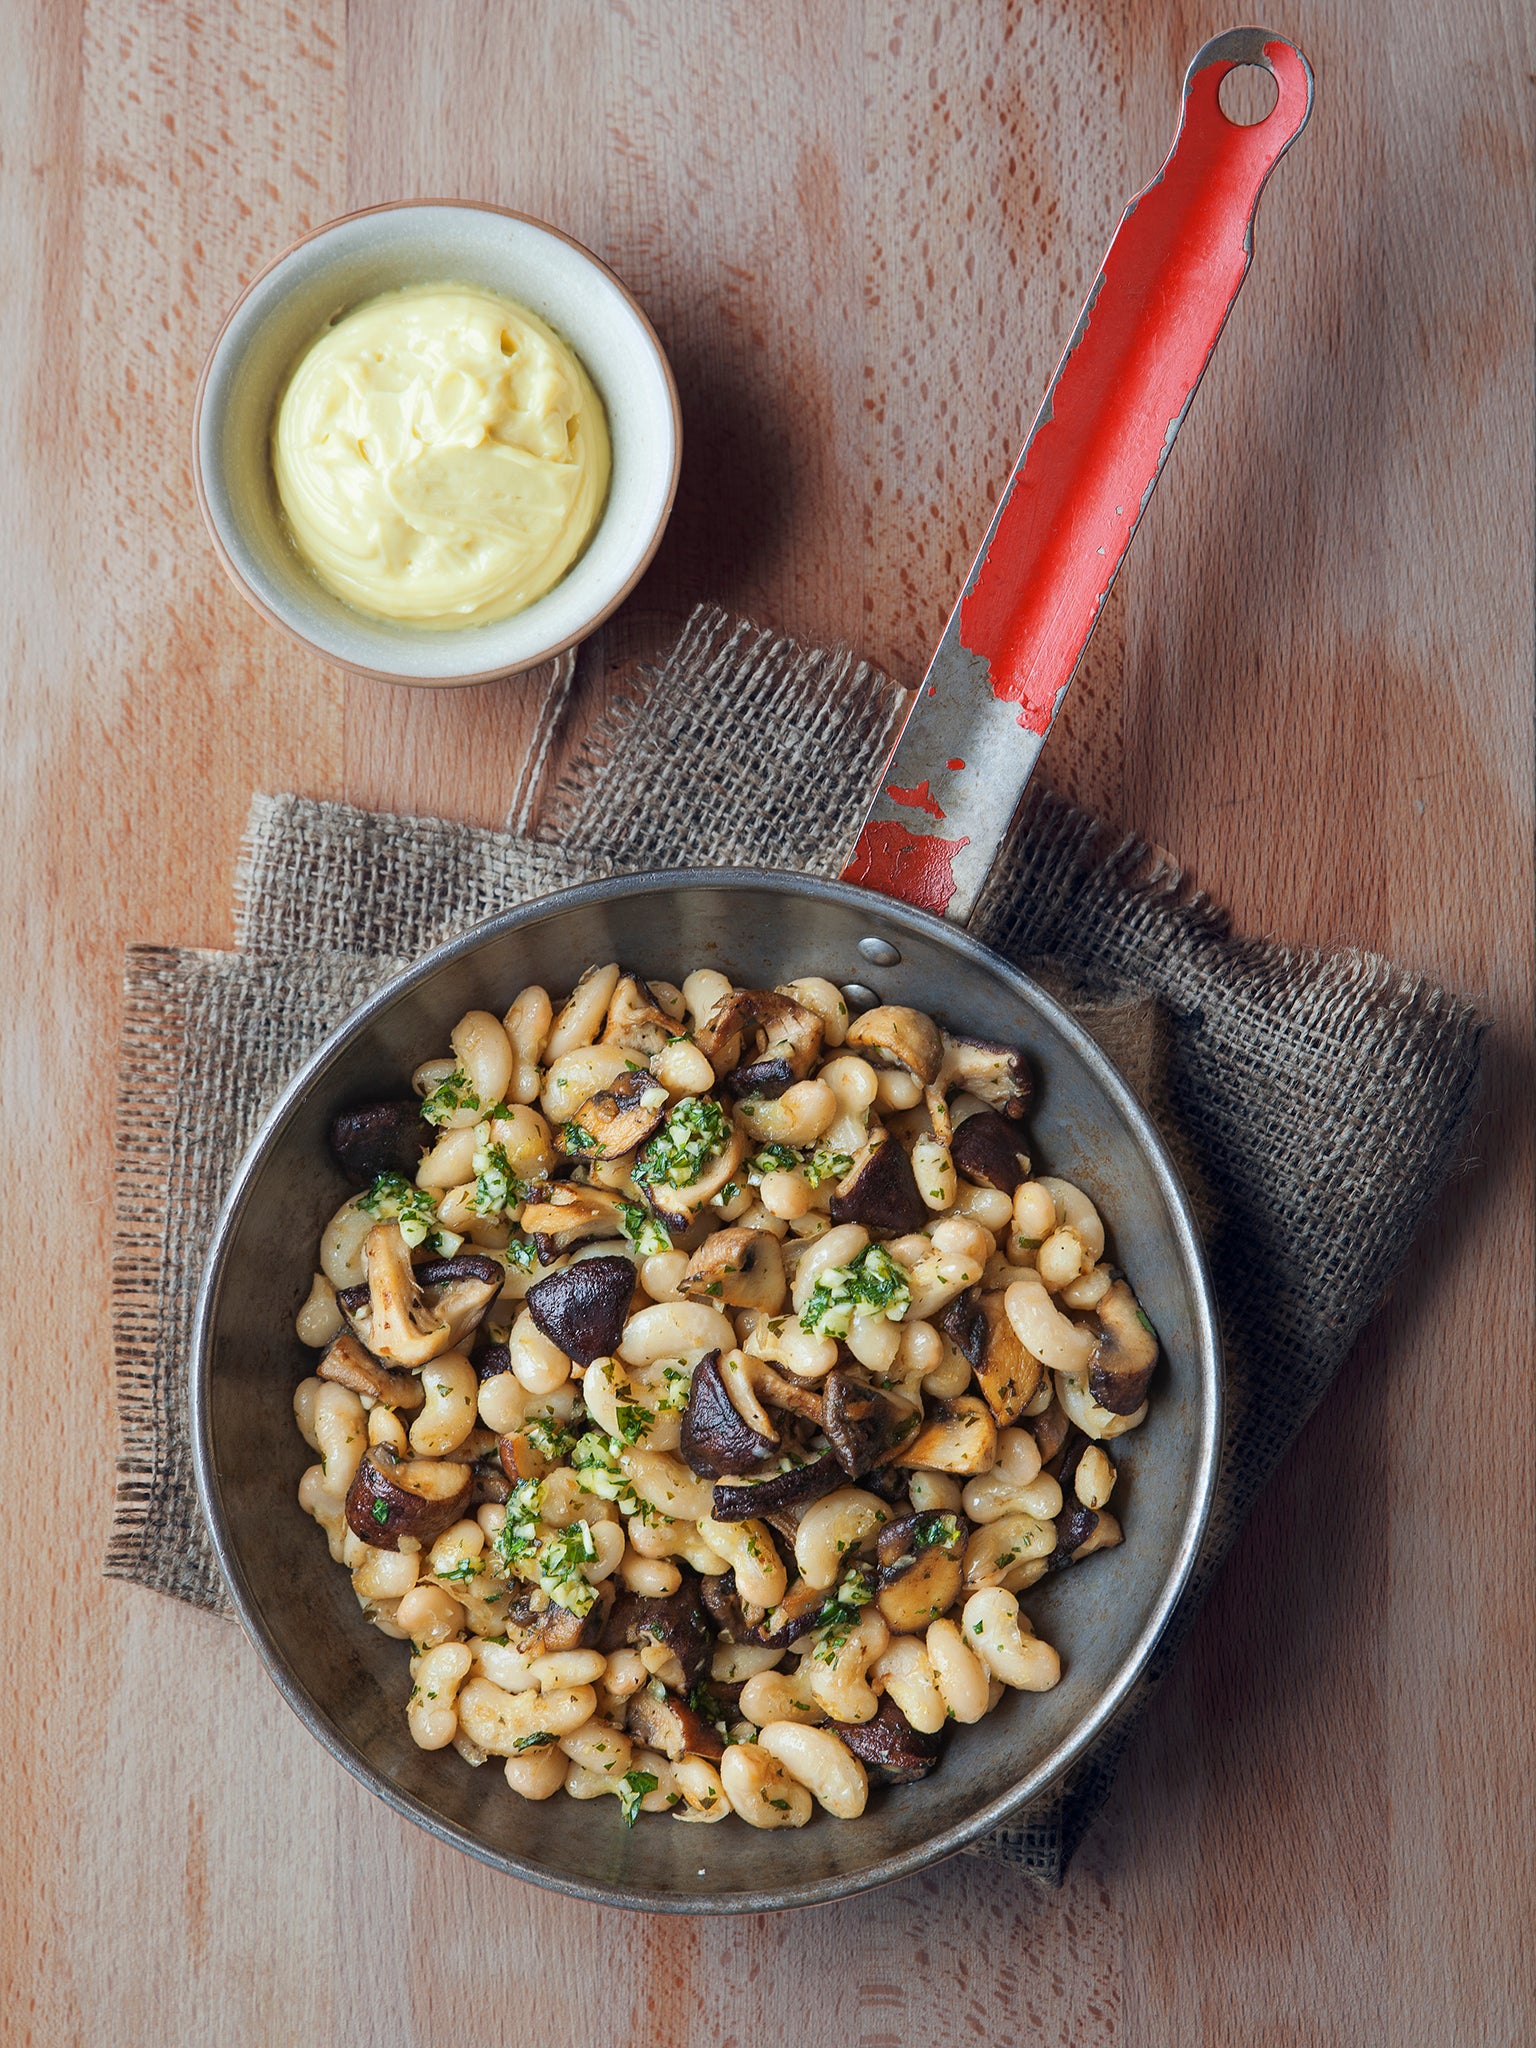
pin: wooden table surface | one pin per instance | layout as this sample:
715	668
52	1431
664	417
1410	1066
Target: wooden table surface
863	231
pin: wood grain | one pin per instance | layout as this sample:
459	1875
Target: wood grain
862	231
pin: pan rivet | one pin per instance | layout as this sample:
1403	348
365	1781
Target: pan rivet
860	997
880	952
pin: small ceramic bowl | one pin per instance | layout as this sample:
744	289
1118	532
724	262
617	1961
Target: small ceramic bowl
432	242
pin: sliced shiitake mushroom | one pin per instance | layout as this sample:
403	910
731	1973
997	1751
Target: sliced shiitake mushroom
795	1616
717	1440
670	1725
862	1424
997	1074
615	1120
565	1215
636	1020
890	1746
987	1152
1126	1354
894	1036
581	1309
786	1036
380	1137
738	1268
402	1325
960	1436
880	1190
1049	1430
676	1621
677	1207
541	1631
722	1603
349	1365
918	1582
793	1489
1074	1525
977	1324
416	1497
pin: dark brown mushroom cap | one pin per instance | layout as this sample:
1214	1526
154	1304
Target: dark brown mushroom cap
380	1137
462	1266
890	1746
795	1488
987	1151
392	1497
786	1035
977	1324
670	1725
491	1360
717	1440
1049	1430
880	1190
862	1424
678	1621
997	1074
460	1289
1126	1355
350	1365
1074	1525
636	1020
722	1603
737	1268
615	1120
894	1036
582	1308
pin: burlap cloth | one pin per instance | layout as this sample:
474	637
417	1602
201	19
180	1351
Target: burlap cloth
1316	1103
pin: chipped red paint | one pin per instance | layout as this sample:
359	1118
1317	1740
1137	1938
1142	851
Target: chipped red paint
915	867
1172	270
919	799
956	763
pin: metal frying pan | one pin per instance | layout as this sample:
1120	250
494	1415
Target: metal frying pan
996	681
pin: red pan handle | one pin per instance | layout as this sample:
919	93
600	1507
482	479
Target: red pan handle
1077	493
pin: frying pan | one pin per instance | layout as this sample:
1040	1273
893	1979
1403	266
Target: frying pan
892	929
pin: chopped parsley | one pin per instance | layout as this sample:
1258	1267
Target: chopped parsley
549	1437
646	1235
573	1139
394	1199
379	1510
633	1787
521	1252
461	1573
518	1536
497	1188
817	1163
538	1741
595	1461
929	1530
633	1418
873	1284
560	1563
696	1130
450	1094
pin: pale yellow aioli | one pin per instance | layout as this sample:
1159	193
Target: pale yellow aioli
441	456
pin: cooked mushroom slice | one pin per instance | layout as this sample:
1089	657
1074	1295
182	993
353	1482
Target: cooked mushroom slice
461	1289
541	1631
987	1151
347	1363
380	1137
677	1207
581	1309
415	1497
977	1324
722	1603
677	1621
1074	1526
636	1020
921	1570
795	1616
880	1189
1126	1354
738	1269
668	1724
402	1327
793	1489
998	1074
894	1036
491	1360
717	1440
566	1215
890	1746
960	1437
1049	1430
786	1039
615	1120
862	1424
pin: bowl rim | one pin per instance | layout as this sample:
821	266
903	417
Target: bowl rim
1207	1345
273	617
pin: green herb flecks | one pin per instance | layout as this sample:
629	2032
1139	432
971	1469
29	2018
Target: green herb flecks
696	1131
497	1189
873	1284
646	1235
394	1199
931	1530
450	1094
633	1787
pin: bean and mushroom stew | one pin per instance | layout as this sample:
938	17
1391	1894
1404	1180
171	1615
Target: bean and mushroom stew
704	1374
